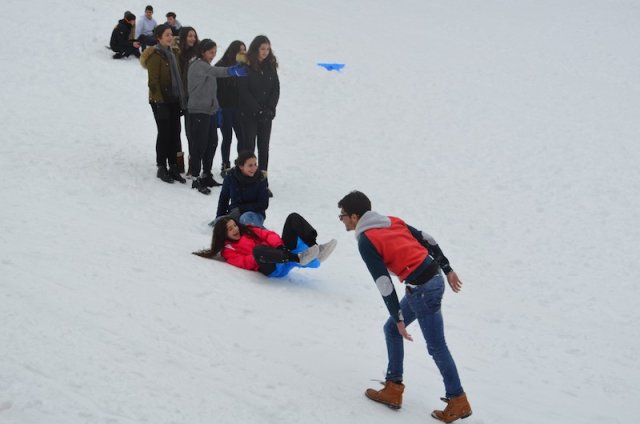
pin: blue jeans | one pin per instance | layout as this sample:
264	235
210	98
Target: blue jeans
252	218
423	304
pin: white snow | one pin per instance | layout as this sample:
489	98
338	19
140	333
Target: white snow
508	130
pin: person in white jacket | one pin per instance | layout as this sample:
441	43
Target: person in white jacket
144	28
202	107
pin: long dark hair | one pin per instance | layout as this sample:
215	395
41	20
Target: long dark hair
219	236
229	56
186	52
254	49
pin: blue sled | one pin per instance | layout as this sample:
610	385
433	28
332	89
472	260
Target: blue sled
283	269
332	66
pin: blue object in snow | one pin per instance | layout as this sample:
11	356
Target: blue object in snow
283	269
332	66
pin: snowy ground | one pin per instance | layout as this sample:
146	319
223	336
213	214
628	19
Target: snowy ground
508	130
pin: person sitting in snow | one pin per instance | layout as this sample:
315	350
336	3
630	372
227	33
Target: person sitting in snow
258	249
244	192
121	42
173	23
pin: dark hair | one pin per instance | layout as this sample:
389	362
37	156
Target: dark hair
205	45
355	202
186	53
243	157
160	29
220	236
149	7
129	16
254	49
170	15
229	56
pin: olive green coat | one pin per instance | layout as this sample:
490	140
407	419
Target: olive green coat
159	76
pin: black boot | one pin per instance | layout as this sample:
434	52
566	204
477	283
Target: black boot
207	179
175	174
197	183
164	175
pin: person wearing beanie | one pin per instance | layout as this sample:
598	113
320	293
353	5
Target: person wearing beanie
121	42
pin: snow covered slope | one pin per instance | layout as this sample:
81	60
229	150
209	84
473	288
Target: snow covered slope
508	130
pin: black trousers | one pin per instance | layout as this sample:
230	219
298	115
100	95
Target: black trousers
167	116
127	50
295	226
147	40
254	130
204	142
230	123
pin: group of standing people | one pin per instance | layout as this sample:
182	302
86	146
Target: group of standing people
239	94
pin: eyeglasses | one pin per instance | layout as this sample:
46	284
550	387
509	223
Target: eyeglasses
342	216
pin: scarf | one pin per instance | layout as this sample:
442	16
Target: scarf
177	89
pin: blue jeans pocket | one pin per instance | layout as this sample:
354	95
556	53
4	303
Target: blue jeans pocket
427	298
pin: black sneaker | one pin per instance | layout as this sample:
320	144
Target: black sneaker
224	170
208	181
197	183
164	175
118	55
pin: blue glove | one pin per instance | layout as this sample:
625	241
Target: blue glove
237	71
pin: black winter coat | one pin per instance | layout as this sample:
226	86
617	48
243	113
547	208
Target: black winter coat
244	193
260	90
120	36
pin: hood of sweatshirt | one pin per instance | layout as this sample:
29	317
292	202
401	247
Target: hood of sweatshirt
370	220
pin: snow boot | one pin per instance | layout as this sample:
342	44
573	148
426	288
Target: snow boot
265	174
326	249
173	171
164	175
390	395
207	179
180	161
225	169
457	407
309	254
202	188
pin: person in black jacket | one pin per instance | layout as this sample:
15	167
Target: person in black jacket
244	194
121	42
228	99
259	95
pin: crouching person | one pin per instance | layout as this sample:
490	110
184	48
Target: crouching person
121	42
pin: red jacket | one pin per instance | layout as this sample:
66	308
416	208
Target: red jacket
240	253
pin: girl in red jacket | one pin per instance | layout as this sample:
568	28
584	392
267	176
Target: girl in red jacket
258	249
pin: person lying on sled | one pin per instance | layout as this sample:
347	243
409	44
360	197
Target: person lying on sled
258	249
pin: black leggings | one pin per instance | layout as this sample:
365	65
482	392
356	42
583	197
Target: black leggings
295	226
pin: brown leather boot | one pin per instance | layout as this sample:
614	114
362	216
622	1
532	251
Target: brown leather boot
457	407
390	395
180	162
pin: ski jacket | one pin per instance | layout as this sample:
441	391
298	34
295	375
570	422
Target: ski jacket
244	193
260	90
159	76
240	253
120	37
386	244
203	87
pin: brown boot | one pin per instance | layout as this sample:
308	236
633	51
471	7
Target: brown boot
457	407
391	395
180	162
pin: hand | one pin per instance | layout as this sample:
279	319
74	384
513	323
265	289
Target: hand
237	71
136	44
403	331
454	281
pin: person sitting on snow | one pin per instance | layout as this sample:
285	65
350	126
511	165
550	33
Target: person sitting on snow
145	27
258	249
173	23
121	42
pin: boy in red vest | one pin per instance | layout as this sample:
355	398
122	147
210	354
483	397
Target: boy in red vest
386	244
